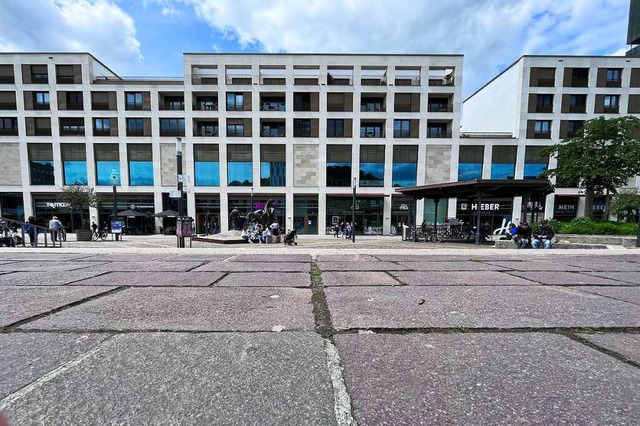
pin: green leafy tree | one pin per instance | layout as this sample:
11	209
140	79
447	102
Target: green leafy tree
625	204
602	156
79	197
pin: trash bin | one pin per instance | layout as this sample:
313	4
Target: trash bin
184	226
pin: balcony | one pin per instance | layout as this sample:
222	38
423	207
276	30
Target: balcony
206	105
271	131
437	132
547	109
71	130
40	78
101	132
440	107
8	106
273	106
542	135
613	109
11	131
579	82
206	131
545	82
613	83
204	80
75	106
65	79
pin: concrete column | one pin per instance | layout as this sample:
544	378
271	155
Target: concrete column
224	212
386	215
486	161
27	201
287	220
549	206
322	213
157	206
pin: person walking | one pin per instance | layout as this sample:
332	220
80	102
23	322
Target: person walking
55	225
30	228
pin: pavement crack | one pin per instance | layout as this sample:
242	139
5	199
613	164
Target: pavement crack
321	313
15	396
342	405
614	354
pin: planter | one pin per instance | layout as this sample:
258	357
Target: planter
83	234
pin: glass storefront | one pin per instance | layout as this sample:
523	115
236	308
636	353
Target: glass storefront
143	203
46	206
12	206
242	204
305	214
496	212
207	205
369	213
565	208
430	210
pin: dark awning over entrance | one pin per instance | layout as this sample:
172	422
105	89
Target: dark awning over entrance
483	187
477	190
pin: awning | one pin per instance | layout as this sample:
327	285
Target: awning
482	187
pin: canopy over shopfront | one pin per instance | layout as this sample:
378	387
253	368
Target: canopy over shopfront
476	190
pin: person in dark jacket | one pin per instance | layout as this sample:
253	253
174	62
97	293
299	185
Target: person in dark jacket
523	235
31	229
542	235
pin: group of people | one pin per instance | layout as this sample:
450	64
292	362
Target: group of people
54	225
257	233
343	230
524	236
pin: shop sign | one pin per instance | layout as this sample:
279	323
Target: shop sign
403	206
57	205
483	206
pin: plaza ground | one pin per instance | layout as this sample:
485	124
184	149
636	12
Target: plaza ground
378	331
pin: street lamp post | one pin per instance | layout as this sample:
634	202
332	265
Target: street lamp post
114	180
353	213
251	201
180	186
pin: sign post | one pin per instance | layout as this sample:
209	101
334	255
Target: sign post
115	177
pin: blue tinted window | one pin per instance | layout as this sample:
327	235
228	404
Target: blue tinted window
272	173
502	171
75	173
371	174
141	173
207	173
239	173
469	171
404	174
532	171
103	172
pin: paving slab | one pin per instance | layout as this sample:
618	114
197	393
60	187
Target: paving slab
46	278
435	257
24	357
485	278
628	294
475	307
172	257
346	258
606	265
201	309
486	379
271	258
358	278
154	279
462	265
265	279
254	267
35	254
361	266
190	379
51	265
564	278
535	265
122	257
151	266
625	344
624	277
19	303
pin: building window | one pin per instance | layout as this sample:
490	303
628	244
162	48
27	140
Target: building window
135	127
614	77
273	130
273	165
573	126
301	128
134	101
335	128
207	128
503	162
172	127
101	127
72	127
206	103
239	165
371	130
438	130
74	164
235	102
405	166
534	166
107	157
41	100
207	165
611	101
542	129
338	165
371	166
140	164
401	128
544	103
9	126
41	164
577	103
75	101
470	162
235	130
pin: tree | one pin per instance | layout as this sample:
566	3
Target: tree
625	204
79	197
602	156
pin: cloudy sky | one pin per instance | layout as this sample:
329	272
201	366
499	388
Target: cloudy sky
148	37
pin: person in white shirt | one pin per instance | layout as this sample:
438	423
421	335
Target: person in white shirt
55	225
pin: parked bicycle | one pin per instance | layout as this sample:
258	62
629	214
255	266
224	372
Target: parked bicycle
99	234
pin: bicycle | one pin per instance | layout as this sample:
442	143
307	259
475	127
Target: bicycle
99	234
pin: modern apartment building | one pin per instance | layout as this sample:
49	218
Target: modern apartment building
539	101
299	129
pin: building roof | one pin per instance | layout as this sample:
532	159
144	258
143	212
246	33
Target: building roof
484	187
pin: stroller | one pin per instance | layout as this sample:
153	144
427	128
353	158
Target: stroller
291	238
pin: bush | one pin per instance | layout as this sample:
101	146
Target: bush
585	225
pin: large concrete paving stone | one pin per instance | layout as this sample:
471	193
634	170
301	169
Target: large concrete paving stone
627	294
535	265
25	357
271	258
462	265
486	379
606	265
474	307
358	278
255	267
189	379
124	257
172	257
564	278
46	278
486	278
151	266
154	279
625	344
20	303
361	266
35	255
623	277
52	265
265	279
202	309
435	257
347	257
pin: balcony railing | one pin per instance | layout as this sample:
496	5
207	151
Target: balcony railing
101	132
72	131
8	106
409	81
578	108
544	108
305	81
135	132
273	81
65	79
133	107
41	106
74	106
612	109
373	107
12	131
372	133
172	106
373	81
7	79
579	82
42	132
40	78
273	106
203	132
613	83
441	81
204	80
440	107
273	132
438	133
100	106
542	135
206	106
545	82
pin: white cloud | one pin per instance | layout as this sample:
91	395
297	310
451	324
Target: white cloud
490	33
96	26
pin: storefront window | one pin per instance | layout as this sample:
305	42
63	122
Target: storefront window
371	174
240	173
534	166
103	172
404	174
305	214
369	214
141	173
75	172
272	165
207	173
430	210
470	162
